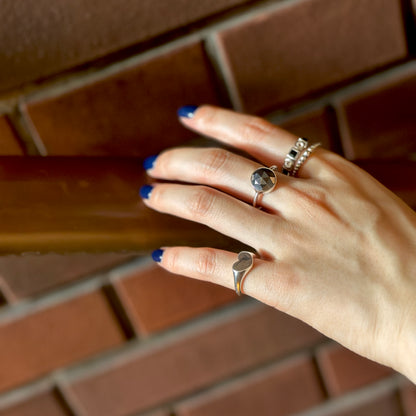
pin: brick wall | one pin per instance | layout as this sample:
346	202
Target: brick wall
110	334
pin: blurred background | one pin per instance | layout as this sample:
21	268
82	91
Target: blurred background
108	333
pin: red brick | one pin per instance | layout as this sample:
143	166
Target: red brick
9	144
280	390
59	335
408	396
344	370
33	274
381	121
162	372
46	404
317	125
157	299
38	40
305	46
131	113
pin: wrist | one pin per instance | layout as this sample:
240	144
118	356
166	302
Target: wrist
407	357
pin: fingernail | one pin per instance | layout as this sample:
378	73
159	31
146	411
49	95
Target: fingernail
145	191
187	111
157	255
149	162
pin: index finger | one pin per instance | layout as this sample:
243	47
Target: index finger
265	141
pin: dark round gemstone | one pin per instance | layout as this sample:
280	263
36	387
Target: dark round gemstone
263	179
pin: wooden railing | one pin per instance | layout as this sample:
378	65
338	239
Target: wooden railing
84	204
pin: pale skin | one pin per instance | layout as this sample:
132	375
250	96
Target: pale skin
336	249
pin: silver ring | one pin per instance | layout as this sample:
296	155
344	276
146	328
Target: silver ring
264	180
293	155
241	268
303	157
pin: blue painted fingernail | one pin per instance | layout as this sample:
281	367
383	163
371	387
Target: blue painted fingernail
145	191
187	111
157	255
149	162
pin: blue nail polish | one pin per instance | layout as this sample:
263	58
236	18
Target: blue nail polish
187	111
149	162
145	191
157	255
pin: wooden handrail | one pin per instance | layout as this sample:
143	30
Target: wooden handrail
85	204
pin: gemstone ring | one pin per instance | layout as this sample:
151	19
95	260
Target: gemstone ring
264	180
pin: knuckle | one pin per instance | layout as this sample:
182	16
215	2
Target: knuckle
201	202
255	129
206	264
207	115
337	168
214	161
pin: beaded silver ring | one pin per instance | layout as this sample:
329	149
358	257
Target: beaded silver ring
302	159
293	155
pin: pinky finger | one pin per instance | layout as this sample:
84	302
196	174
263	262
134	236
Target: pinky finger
268	282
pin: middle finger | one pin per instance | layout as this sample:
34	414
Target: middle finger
215	167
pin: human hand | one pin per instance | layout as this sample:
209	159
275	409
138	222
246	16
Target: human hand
336	249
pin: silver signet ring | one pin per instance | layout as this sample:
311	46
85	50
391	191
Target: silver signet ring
241	267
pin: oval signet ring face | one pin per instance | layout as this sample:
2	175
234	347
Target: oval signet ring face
241	267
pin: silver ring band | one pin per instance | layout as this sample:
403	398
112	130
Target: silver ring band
263	180
241	268
302	159
293	155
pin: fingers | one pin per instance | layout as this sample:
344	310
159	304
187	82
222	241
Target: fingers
258	137
272	284
215	209
215	167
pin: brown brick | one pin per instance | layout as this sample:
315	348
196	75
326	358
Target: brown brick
381	121
280	390
162	412
3	298
157	299
306	46
37	40
252	336
408	396
317	125
45	404
33	274
6	295
59	335
344	370
386	404
9	144
131	113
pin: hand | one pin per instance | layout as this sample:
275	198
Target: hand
336	249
